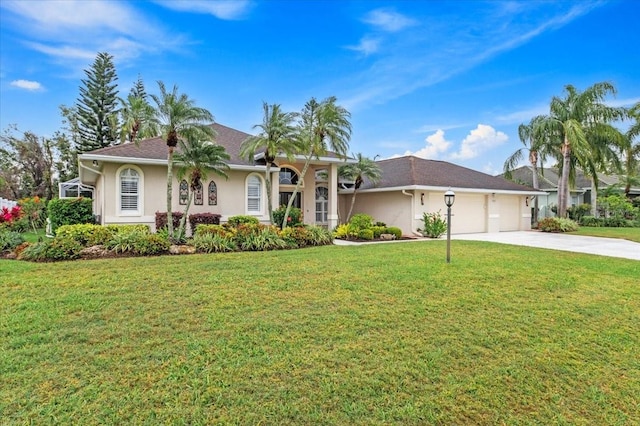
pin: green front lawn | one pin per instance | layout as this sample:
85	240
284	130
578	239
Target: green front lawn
372	334
631	234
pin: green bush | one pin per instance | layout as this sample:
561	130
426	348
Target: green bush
365	234
69	211
434	225
361	221
393	231
212	229
557	224
378	230
618	222
345	232
295	236
242	220
259	238
577	212
206	242
295	216
51	250
10	240
86	234
591	221
151	244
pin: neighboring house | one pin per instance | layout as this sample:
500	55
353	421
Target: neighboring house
129	186
411	186
548	179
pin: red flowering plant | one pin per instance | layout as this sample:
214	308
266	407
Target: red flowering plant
9	217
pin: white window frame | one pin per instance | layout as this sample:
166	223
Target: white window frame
325	211
139	211
261	202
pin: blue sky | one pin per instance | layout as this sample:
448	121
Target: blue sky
447	80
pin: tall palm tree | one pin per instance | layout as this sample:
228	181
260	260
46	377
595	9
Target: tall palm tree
195	160
631	150
138	119
323	126
179	118
569	121
277	137
364	168
534	142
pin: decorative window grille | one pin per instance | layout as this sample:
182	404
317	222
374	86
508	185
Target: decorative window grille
322	204
213	194
184	192
198	195
288	176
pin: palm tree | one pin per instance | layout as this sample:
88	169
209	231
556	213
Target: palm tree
364	168
196	159
179	118
322	126
138	119
569	122
533	142
277	137
631	151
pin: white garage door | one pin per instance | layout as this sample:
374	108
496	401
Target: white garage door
509	213
468	214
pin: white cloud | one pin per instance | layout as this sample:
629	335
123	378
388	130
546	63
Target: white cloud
523	116
221	9
436	144
388	20
480	139
367	46
27	85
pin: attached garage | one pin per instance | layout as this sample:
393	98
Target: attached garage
469	214
509	208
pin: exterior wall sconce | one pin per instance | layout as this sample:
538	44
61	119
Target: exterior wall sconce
449	198
526	201
422	199
95	163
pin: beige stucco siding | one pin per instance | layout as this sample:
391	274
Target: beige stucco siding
392	208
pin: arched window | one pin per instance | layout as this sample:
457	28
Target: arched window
184	192
254	195
198	197
213	194
129	190
288	176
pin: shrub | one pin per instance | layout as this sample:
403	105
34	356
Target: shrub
161	220
434	225
213	243
361	221
318	236
10	240
34	211
365	234
203	219
214	230
295	236
151	244
345	232
86	234
70	211
577	212
56	249
618	222
591	221
377	230
557	224
242	220
251	237
393	231
294	218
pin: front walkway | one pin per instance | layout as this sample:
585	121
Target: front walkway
612	247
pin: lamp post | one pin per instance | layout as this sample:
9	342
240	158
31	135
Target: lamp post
449	198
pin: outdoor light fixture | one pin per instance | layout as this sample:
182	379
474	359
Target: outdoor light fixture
95	163
422	198
449	198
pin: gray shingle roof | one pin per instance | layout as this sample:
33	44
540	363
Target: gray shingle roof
156	148
548	178
414	171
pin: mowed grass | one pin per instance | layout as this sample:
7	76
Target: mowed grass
371	334
631	234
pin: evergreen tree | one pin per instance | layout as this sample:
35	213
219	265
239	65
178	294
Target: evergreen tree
97	105
138	89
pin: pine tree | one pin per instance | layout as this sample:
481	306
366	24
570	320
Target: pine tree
138	89
97	105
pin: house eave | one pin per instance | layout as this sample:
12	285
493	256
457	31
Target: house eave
427	188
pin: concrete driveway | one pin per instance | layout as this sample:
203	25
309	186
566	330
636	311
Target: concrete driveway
612	247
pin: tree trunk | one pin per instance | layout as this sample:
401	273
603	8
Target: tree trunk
563	189
594	198
170	192
267	181
295	191
353	202
182	230
536	185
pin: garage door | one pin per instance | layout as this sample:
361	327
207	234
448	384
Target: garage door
509	213
469	214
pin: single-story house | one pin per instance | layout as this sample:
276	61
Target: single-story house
548	179
129	186
411	186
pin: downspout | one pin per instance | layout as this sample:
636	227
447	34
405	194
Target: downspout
94	188
413	211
